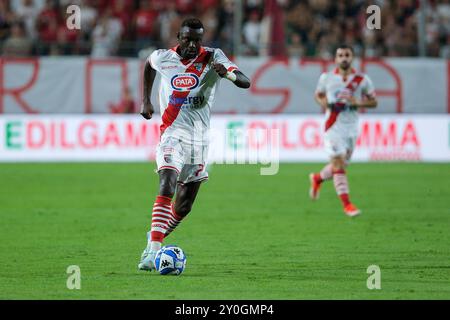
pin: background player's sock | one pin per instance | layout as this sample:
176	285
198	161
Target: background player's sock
162	212
174	221
325	174
341	186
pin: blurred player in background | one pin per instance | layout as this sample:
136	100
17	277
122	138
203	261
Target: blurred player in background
190	74
337	92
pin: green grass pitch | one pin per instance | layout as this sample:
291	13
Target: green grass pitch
248	236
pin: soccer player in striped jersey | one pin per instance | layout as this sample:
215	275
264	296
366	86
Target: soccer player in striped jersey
341	92
190	74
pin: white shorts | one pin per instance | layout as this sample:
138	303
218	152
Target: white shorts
188	160
340	142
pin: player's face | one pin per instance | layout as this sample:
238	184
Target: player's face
344	58
190	42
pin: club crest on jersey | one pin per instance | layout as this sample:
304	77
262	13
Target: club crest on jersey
168	158
184	82
198	66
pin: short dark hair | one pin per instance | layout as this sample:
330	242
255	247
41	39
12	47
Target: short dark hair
193	23
344	46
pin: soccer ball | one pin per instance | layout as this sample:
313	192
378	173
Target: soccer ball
170	259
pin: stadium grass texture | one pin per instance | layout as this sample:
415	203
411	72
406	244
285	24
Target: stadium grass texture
248	237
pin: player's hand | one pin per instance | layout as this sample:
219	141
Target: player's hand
147	110
321	99
323	103
353	102
220	69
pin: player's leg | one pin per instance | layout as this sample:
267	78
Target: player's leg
331	141
339	163
193	173
326	174
184	199
189	182
161	214
162	208
170	161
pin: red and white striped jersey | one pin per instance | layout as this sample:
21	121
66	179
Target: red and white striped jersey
338	90
187	91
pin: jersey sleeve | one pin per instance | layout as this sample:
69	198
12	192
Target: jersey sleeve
154	59
220	57
367	88
321	85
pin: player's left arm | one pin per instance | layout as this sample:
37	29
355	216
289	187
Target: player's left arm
235	76
369	99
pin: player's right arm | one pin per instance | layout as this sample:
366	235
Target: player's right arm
147	109
321	94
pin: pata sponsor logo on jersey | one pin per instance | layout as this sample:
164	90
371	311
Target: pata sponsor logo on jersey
184	82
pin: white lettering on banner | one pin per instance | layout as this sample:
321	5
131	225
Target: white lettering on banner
402	85
234	139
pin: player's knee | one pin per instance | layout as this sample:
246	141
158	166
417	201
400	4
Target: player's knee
338	163
167	187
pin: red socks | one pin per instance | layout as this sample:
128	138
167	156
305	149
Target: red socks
164	219
174	221
325	174
161	215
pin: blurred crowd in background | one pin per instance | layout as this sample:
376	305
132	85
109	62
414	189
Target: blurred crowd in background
304	28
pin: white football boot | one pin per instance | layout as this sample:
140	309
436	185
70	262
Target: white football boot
147	262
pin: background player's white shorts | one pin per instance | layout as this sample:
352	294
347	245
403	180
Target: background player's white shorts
340	142
189	160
